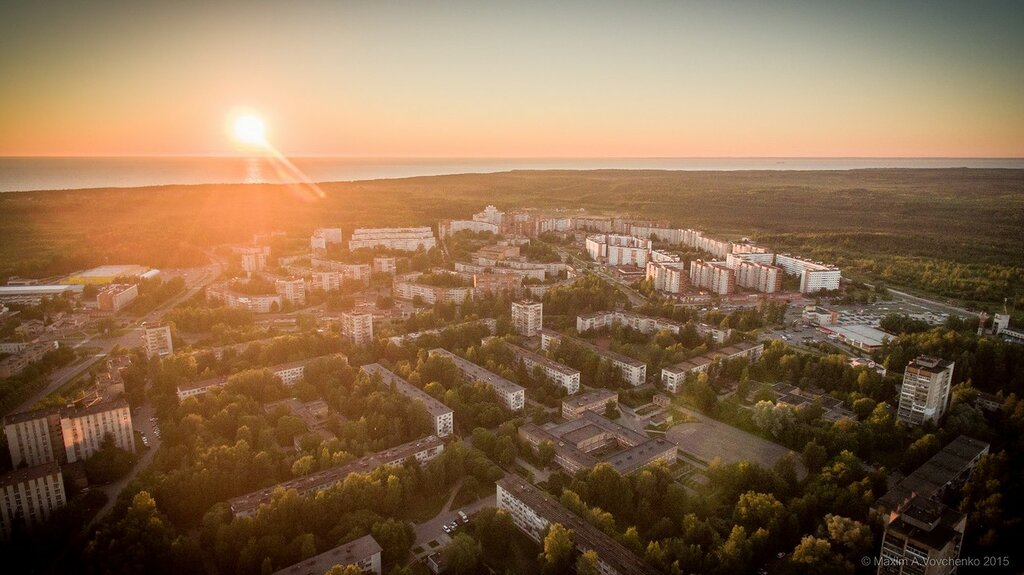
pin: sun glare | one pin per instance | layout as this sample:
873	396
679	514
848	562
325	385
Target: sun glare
249	130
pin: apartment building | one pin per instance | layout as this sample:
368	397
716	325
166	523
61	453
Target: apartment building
30	495
405	287
448	227
401	239
385	265
115	297
661	234
496	283
322	237
23	355
421	450
616	250
673	377
289	373
697	239
265	303
347	271
364	553
924	395
157	339
510	393
589	439
595	400
357	327
760	277
642	323
814	276
490	323
945	471
922	538
293	290
669	277
527	317
443	416
67	434
633	371
713	276
562	375
734	259
254	259
533	511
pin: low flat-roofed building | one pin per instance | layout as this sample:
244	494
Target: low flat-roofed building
561	374
859	336
443	416
512	394
35	294
589	439
30	495
595	400
364	553
533	511
818	315
633	371
422	450
106	274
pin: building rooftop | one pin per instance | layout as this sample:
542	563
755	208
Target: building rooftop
29	473
68	411
865	334
944	467
612	355
250	502
543	360
590	397
38	290
930	364
344	554
585	535
432	405
474	371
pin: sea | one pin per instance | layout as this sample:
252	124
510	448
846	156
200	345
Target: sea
21	174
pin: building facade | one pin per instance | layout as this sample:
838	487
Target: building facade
30	495
560	374
158	340
511	394
357	327
401	239
924	395
713	276
443	416
527	317
67	434
116	296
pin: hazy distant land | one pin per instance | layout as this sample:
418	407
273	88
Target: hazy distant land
953	232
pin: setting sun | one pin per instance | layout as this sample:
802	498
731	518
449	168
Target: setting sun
250	130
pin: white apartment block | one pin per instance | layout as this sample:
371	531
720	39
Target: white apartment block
712	276
761	277
534	511
734	260
67	434
491	215
402	239
814	276
30	496
527	317
385	265
697	239
661	256
357	327
449	227
323	236
158	340
924	395
254	259
634	372
405	287
670	277
254	303
443	416
562	375
116	296
668	235
616	250
673	377
347	271
513	395
293	290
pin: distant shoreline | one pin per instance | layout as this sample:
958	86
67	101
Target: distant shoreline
28	174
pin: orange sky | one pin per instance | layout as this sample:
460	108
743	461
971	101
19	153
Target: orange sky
517	79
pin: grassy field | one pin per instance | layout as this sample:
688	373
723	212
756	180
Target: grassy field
951	232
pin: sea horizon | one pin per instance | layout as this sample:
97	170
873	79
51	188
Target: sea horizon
45	173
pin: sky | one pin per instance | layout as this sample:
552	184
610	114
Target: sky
515	79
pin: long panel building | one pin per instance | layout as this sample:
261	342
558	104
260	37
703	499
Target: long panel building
422	450
513	395
30	496
563	375
444	422
67	434
633	371
403	239
290	374
533	511
673	376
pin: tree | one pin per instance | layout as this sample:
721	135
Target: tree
545	452
557	550
462	554
344	570
815	556
494	529
395	538
813	457
587	563
853	535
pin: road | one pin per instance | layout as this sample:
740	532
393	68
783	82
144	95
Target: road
141	422
432	529
132	336
634	298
